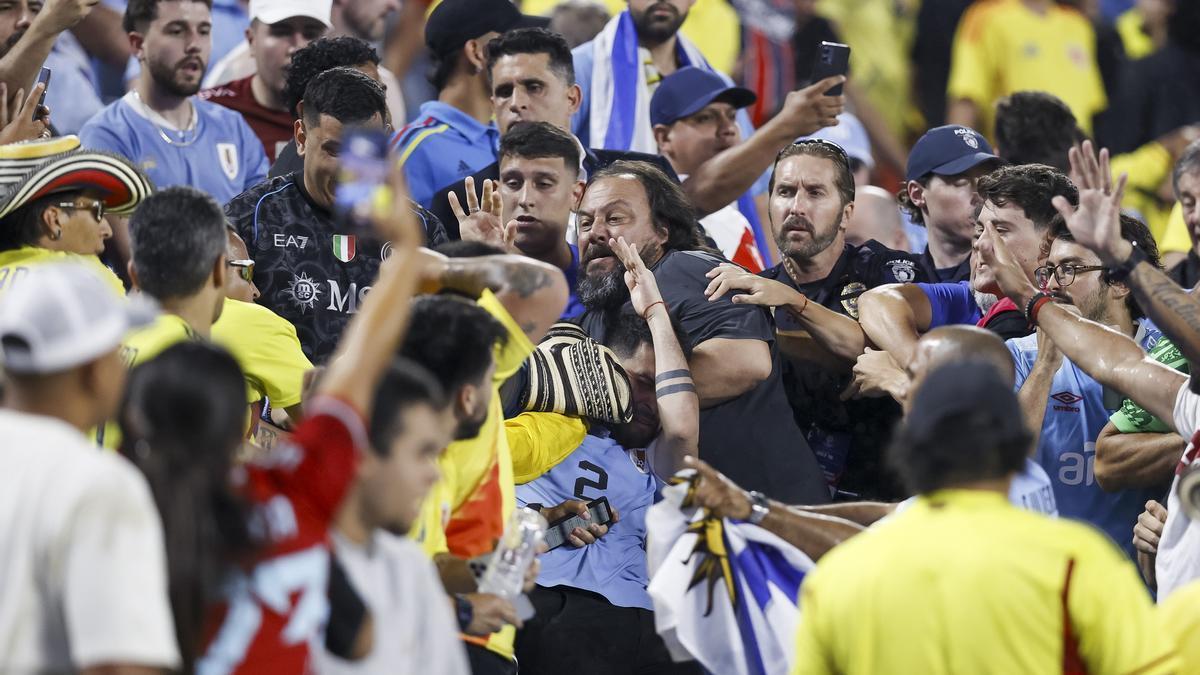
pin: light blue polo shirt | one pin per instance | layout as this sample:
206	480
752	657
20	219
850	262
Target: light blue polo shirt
441	146
220	156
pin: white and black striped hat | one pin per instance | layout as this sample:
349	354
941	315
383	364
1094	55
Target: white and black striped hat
34	169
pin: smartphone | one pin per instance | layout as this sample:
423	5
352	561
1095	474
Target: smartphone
833	58
43	78
363	171
559	530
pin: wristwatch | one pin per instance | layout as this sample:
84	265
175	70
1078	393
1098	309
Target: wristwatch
465	611
1120	272
759	507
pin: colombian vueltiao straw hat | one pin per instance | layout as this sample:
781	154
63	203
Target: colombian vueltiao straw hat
35	169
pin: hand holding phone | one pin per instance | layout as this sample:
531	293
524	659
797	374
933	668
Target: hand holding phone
43	78
362	174
833	58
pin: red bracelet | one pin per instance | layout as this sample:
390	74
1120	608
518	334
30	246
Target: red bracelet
646	314
1036	306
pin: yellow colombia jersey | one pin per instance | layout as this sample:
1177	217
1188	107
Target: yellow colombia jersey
16	262
1175	236
964	582
140	346
267	349
1179	616
467	509
1002	46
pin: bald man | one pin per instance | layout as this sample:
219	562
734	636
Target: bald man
876	216
816	529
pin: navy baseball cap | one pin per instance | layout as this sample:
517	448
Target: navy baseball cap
948	151
687	90
453	22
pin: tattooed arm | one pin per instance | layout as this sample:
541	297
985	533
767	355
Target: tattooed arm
533	292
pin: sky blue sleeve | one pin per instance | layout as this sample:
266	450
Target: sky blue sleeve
98	134
584	59
951	304
1021	364
256	157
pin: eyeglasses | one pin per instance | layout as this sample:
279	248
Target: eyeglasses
1064	274
245	269
97	208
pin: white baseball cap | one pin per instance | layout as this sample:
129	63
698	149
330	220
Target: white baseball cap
274	11
62	315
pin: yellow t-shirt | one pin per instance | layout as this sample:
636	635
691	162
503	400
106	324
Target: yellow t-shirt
964	582
267	349
1179	616
466	511
1175	235
1135	41
140	346
1002	47
1146	168
15	263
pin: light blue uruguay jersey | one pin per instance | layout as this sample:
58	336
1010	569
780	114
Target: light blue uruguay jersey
221	156
1076	412
614	566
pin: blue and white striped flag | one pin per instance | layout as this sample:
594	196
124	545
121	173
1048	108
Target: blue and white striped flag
725	592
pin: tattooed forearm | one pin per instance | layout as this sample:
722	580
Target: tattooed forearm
525	280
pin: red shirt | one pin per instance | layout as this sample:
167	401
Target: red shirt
273	609
273	127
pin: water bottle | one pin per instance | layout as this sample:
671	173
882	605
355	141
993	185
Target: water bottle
505	574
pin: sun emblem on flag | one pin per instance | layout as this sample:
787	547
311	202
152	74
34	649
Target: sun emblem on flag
305	291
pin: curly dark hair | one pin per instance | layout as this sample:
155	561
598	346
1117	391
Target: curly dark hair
1029	187
1132	230
344	94
1034	127
318	57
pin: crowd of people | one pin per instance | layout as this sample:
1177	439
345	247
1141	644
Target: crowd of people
922	330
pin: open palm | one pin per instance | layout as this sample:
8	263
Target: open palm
1096	222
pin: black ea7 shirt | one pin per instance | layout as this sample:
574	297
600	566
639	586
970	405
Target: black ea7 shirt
753	439
848	437
310	270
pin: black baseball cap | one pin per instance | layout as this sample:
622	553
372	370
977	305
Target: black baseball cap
957	388
687	90
947	151
453	22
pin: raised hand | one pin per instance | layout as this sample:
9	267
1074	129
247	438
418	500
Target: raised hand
1012	280
643	287
483	219
756	290
809	110
715	492
1096	222
17	121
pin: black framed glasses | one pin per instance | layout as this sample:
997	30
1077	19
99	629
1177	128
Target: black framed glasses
1064	274
96	207
245	269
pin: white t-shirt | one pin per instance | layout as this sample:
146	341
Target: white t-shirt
415	630
83	574
1178	559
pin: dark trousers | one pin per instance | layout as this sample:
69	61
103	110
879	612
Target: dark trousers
484	662
581	633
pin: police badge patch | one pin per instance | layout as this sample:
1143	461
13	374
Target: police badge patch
849	297
903	271
968	137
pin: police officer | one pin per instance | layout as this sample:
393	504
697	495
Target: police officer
811	200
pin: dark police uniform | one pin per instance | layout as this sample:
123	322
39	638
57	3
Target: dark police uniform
849	438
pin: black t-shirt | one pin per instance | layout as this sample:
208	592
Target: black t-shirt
753	438
935	274
309	271
848	437
1187	272
593	161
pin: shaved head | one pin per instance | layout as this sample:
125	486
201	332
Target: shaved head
954	344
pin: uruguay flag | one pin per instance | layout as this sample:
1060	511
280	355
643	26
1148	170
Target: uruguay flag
725	592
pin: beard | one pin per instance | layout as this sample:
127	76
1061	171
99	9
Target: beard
167	76
985	301
11	42
656	31
470	427
607	290
819	241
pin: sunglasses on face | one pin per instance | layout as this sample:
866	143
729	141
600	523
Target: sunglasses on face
245	269
1064	274
97	208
